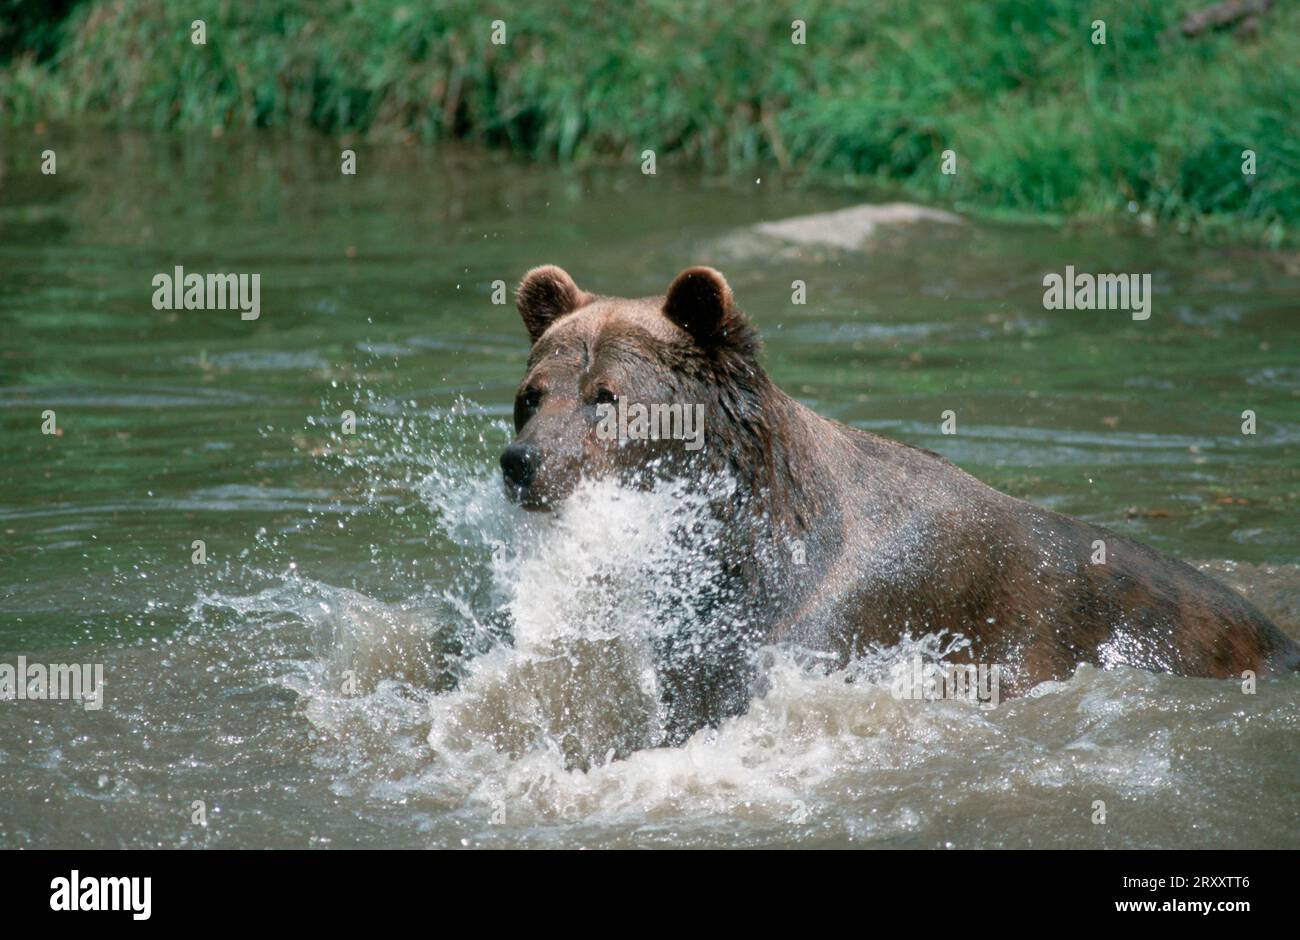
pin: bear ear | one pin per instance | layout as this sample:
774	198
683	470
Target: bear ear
544	295
700	302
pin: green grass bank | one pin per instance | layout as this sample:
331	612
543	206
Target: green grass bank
1045	124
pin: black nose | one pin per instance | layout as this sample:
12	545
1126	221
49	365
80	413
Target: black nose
519	464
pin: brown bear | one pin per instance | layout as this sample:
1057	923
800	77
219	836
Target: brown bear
837	539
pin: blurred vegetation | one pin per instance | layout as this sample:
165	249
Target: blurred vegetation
1044	122
32	27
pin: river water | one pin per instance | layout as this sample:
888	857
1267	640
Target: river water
380	651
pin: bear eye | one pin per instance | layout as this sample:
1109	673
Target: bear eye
605	396
525	405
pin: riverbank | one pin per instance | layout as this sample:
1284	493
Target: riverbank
1039	119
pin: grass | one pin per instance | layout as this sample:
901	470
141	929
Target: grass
1044	122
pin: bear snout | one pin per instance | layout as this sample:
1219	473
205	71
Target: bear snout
519	467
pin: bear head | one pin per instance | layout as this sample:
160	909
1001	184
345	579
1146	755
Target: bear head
633	389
